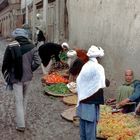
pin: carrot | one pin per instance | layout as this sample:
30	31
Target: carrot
54	78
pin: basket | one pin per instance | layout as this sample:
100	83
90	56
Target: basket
70	100
69	114
56	94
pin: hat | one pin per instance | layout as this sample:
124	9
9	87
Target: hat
71	53
65	45
95	52
19	32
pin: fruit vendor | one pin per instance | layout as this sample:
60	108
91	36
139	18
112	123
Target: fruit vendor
125	90
90	84
135	97
129	93
49	50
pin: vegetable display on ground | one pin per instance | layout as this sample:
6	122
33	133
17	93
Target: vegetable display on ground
118	126
59	88
54	78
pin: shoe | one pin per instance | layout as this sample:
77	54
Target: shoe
21	129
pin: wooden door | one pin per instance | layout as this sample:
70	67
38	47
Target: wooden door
51	22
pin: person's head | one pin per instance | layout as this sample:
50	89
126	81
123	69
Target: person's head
19	32
128	75
65	46
95	52
37	28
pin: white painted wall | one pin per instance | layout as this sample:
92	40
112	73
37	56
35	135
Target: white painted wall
112	24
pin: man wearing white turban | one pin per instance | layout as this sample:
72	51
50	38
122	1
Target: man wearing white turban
90	84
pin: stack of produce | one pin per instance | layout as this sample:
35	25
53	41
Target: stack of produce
54	78
59	88
118	126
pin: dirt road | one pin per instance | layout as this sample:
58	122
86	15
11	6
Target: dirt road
43	121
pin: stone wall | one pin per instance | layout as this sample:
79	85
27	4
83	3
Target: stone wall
112	24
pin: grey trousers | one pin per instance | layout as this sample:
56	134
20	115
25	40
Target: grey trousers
20	90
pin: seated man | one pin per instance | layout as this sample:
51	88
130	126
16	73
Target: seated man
125	90
129	94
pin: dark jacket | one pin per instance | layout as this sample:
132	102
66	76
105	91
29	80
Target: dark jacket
20	60
49	50
40	36
76	67
135	97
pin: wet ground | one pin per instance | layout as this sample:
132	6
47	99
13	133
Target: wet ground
43	120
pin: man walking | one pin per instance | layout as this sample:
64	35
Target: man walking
21	59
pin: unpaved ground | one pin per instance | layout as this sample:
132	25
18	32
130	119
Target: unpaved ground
43	121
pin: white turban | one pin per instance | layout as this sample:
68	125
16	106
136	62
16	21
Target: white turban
65	45
72	55
95	52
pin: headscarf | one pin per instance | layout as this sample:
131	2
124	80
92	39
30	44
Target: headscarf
92	75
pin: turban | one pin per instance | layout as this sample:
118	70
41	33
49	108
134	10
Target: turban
65	45
71	53
94	52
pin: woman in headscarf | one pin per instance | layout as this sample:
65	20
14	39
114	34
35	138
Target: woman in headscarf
90	84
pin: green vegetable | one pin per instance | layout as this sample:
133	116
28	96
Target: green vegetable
63	56
59	88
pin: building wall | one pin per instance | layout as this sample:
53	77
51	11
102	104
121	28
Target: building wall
9	19
112	24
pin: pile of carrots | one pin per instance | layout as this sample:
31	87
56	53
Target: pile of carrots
54	78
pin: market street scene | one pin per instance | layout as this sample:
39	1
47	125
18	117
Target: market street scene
69	70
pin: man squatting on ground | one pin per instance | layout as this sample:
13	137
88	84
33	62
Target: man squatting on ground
50	50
